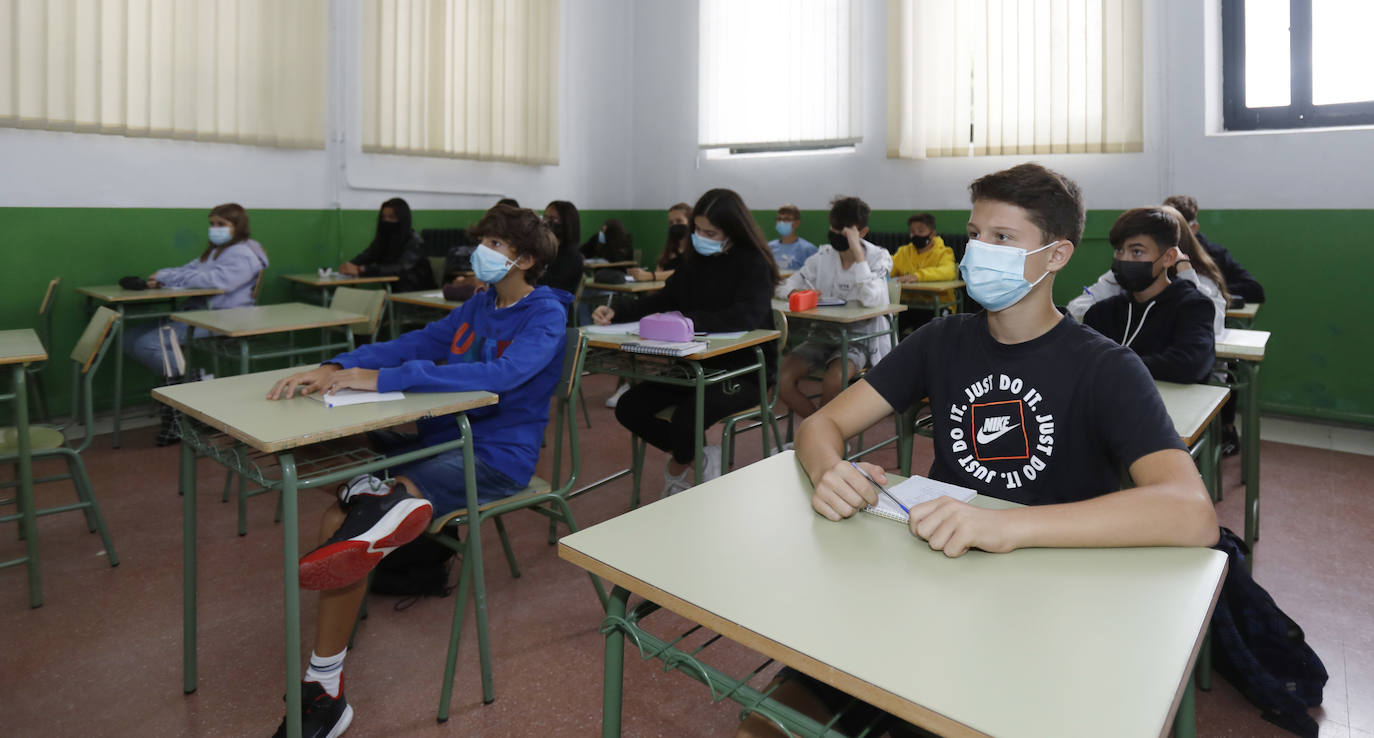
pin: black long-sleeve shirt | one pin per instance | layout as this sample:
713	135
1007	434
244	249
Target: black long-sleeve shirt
594	249
1238	280
406	261
1171	333
565	271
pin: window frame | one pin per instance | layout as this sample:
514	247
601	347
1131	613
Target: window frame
1300	113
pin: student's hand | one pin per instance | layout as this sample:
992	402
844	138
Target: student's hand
908	279
349	268
954	527
1181	261
856	241
640	275
842	490
793	292
153	283
602	315
309	382
358	379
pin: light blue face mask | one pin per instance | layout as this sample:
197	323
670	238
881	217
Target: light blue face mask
601	237
705	246
784	228
996	275
220	235
490	265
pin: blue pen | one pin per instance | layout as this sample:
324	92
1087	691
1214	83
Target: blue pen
1087	292
880	487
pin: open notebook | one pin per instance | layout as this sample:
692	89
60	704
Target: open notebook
914	491
340	398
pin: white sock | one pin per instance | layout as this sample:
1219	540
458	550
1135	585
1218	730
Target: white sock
327	670
363	484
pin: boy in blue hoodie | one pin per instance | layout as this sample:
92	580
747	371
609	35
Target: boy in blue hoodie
509	340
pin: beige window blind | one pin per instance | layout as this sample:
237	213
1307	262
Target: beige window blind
240	71
475	79
985	77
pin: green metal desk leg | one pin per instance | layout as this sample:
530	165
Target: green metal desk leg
188	566
391	310
614	679
1203	672
243	356
479	587
119	374
1185	720
29	522
699	438
292	590
1205	463
1250	406
767	422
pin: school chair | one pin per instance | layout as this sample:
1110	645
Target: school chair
572	323
547	498
35	371
436	267
49	441
754	415
257	285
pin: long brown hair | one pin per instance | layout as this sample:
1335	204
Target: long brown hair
238	218
727	211
675	249
1202	261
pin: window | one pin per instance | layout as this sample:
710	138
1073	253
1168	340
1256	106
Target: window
474	79
987	77
778	75
1296	63
239	71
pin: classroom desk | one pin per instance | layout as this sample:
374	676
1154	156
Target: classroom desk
17	349
120	300
592	266
1194	409
325	284
931	291
1244	316
262	320
426	299
633	288
1246	349
1037	642
230	421
604	356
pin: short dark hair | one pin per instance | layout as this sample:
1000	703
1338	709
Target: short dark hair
1185	204
508	201
524	231
926	218
790	209
1053	201
1156	222
848	211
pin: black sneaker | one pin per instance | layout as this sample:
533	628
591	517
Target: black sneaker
322	716
376	525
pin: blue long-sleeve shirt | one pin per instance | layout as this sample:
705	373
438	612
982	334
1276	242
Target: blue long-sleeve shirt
515	352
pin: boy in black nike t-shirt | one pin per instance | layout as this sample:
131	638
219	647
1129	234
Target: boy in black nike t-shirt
1029	406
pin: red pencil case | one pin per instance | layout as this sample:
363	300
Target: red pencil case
803	300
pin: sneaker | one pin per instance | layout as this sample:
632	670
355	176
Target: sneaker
789	446
711	468
376	525
322	716
614	399
1230	441
363	484
675	483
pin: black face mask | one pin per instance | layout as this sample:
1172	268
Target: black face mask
677	231
388	230
920	242
839	241
1134	276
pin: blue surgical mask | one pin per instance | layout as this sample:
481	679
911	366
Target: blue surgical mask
784	227
705	246
601	237
220	235
996	275
490	265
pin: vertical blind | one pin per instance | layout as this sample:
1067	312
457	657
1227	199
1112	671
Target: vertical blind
240	71
985	77
476	79
778	74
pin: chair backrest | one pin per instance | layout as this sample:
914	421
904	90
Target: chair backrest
365	302
45	312
257	285
566	396
436	265
94	339
577	300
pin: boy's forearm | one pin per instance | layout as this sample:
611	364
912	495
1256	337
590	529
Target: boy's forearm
1170	514
817	439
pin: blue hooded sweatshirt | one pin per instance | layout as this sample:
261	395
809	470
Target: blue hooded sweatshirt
515	352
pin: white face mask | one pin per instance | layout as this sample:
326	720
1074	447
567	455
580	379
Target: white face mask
996	275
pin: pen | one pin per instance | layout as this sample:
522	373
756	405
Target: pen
880	487
1087	292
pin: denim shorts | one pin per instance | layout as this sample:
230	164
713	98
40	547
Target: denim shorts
440	478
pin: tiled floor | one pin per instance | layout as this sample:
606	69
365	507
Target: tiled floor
103	655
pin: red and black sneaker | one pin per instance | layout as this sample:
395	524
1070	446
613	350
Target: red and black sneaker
376	525
322	716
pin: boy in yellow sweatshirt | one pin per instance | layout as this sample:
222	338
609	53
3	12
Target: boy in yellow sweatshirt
925	259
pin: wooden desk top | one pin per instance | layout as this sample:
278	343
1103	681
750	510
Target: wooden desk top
1191	407
264	319
239	406
115	293
593	265
1238	343
1247	311
715	346
654	286
426	298
852	312
21	346
1037	642
338	280
951	284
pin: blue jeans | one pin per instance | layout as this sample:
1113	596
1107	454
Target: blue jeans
142	339
440	478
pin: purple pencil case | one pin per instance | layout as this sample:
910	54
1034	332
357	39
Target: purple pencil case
673	326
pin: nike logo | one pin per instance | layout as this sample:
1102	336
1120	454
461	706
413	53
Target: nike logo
994	428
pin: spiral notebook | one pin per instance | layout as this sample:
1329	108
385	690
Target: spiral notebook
914	491
664	348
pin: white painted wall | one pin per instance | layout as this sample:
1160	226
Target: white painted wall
44	168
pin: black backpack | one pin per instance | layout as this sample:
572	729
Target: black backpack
417	569
1261	650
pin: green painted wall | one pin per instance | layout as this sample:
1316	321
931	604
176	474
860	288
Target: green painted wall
1311	263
